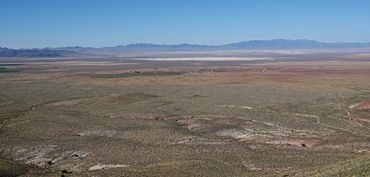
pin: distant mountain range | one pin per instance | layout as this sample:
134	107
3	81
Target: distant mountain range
43	53
254	44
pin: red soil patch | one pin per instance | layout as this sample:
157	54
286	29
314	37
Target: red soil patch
246	74
362	105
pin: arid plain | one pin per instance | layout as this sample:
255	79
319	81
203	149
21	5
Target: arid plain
186	114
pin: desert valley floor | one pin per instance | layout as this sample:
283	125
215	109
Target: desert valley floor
121	117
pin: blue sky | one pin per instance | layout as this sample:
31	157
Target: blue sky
54	23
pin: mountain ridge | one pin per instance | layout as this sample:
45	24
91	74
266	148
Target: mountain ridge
251	44
30	53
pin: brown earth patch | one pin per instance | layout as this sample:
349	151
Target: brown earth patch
169	118
191	124
232	121
295	142
362	120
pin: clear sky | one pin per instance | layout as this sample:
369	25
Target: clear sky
55	23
